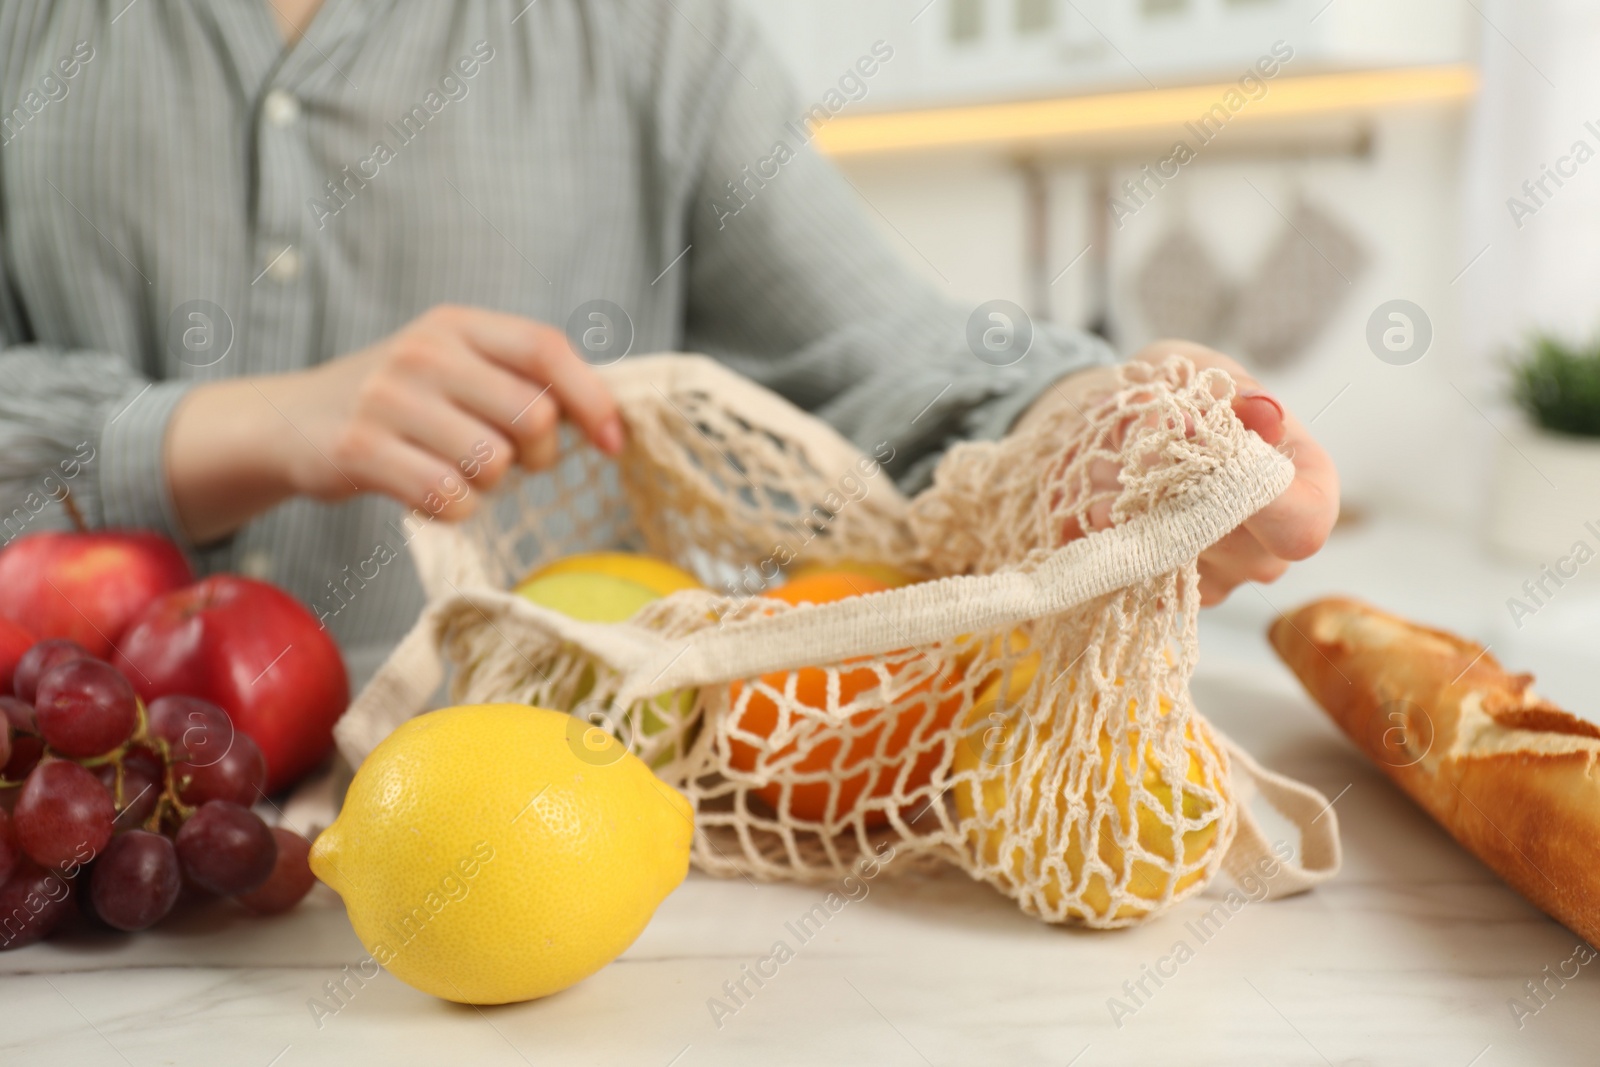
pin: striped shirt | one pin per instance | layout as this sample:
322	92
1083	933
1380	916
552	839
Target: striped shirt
184	198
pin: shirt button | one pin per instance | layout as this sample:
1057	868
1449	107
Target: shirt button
284	266
256	563
281	107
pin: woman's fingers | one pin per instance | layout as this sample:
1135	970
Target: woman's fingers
1213	590
524	411
438	409
541	353
1297	523
465	444
1261	414
1218	580
416	477
1239	558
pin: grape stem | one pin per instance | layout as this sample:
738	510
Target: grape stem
168	800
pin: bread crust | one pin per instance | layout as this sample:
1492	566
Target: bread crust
1512	777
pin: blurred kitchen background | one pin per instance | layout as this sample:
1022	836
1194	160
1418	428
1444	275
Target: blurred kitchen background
1354	227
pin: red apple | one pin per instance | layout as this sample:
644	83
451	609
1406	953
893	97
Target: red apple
14	641
87	586
253	650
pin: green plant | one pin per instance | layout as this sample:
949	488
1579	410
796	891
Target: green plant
1558	385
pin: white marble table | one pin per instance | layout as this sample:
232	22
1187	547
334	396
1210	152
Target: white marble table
1411	956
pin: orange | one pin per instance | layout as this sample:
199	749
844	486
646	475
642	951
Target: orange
827	801
887	573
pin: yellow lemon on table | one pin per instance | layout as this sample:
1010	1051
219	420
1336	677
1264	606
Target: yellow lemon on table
655	574
486	858
997	734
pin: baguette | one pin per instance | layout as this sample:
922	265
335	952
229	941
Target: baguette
1512	777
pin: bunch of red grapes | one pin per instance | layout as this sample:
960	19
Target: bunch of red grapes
119	805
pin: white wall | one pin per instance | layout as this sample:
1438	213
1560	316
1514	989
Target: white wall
958	220
1396	432
1097	44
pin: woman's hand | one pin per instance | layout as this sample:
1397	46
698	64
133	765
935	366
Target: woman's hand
1296	524
1292	527
456	397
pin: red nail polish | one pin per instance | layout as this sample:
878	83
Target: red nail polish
1261	394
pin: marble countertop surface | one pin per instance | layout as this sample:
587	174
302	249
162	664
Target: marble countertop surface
1415	954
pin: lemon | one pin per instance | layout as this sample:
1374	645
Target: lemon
988	749
588	597
603	596
652	573
485	858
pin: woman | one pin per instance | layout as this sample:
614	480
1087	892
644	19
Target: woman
287	267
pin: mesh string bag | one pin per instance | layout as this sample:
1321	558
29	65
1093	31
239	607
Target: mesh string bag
1022	712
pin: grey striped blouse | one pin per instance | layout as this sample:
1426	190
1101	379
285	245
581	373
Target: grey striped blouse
183	198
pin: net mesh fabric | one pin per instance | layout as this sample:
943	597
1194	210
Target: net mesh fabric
1057	757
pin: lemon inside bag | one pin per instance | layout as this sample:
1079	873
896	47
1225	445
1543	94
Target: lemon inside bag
1138	846
610	587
